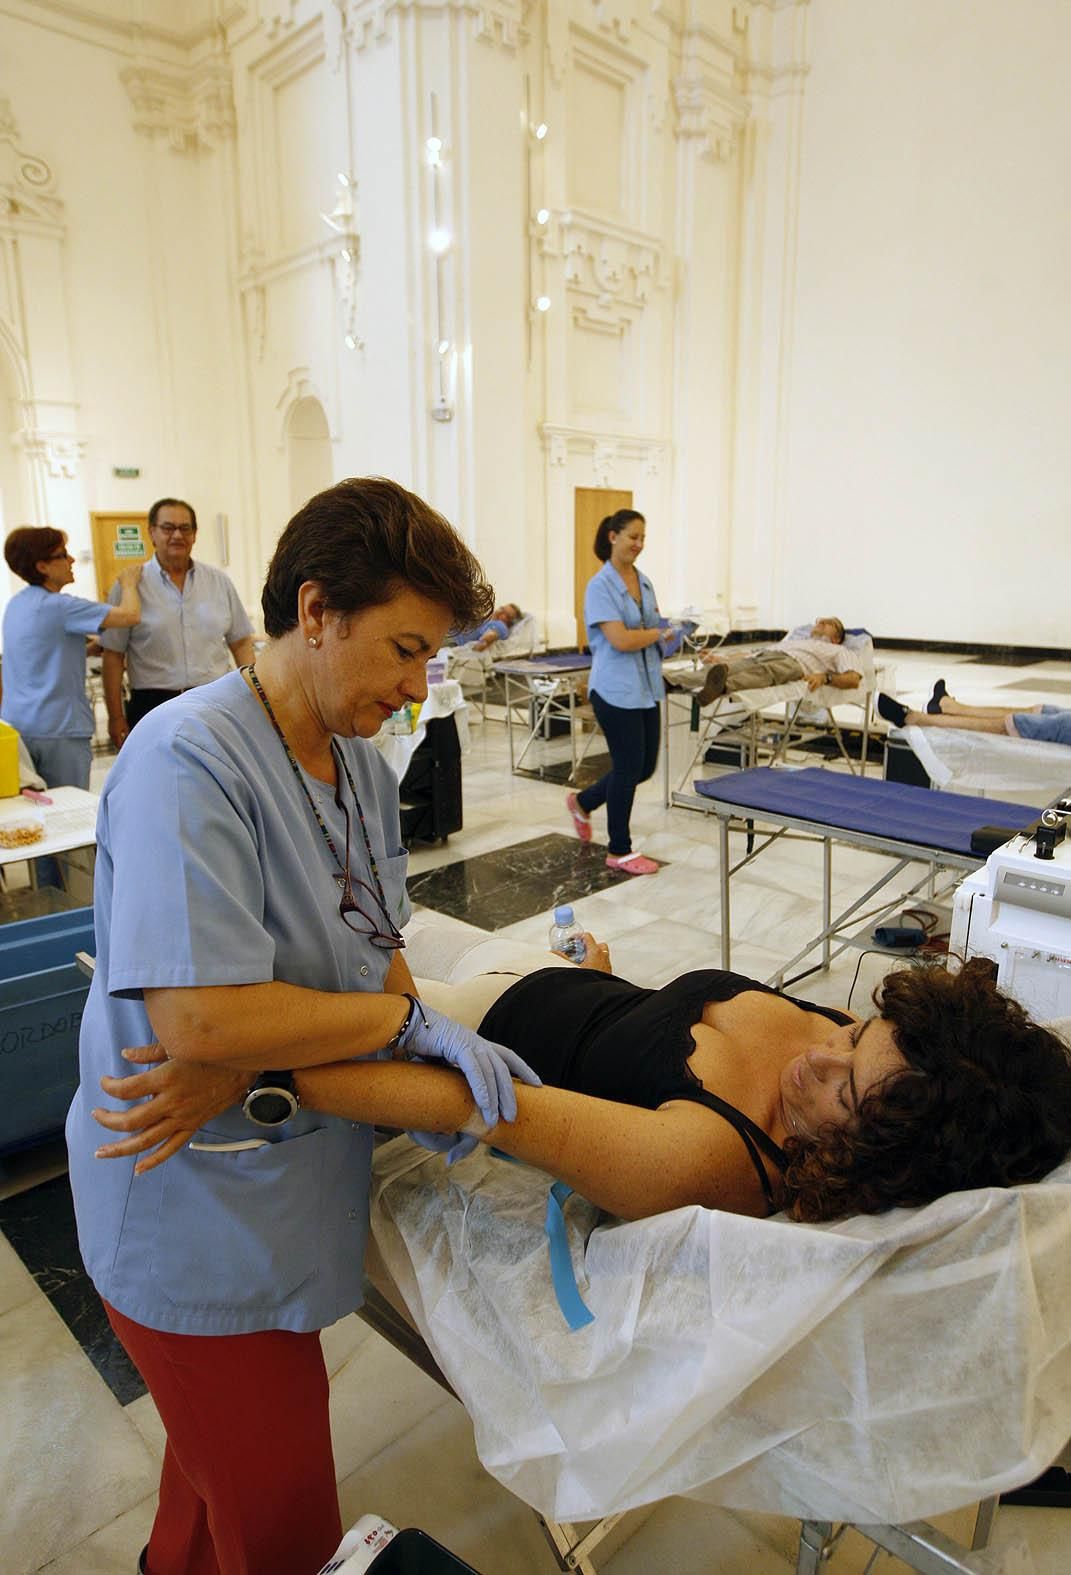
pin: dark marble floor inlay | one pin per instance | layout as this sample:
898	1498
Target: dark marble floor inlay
510	884
1002	657
1058	686
590	769
40	1226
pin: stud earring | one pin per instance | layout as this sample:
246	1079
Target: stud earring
314	642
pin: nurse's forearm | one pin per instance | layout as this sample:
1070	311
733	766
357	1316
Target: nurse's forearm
267	1027
633	639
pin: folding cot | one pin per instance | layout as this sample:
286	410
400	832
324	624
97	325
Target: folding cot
912	825
748	715
473	668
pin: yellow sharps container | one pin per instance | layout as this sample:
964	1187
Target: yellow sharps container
9	761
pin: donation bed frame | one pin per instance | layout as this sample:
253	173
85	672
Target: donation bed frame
910	825
916	1543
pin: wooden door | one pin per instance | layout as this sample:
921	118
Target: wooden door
590	505
118	539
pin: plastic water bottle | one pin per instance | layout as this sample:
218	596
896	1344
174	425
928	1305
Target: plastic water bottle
566	936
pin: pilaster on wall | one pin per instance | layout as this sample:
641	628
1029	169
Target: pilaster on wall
34	339
773	76
711	115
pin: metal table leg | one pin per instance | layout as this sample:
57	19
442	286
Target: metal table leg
723	849
814	1534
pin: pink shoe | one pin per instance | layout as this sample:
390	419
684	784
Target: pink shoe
581	821
632	864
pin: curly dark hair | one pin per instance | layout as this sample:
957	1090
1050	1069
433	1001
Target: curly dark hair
609	527
364	540
29	545
984	1102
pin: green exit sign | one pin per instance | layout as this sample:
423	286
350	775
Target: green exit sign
126	472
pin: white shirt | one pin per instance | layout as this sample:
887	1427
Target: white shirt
184	637
819	656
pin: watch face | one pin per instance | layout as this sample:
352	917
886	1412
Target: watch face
271	1109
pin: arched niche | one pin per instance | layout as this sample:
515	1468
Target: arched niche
308	450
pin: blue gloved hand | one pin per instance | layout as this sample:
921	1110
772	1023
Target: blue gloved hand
488	1068
456	1145
672	645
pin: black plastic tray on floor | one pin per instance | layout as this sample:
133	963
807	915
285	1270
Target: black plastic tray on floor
413	1552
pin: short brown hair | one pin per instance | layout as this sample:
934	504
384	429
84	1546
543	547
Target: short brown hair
171	503
363	540
27	546
985	1101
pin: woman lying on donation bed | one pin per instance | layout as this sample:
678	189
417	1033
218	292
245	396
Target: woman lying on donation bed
713	1090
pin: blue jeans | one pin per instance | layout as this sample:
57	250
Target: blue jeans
1052	726
632	737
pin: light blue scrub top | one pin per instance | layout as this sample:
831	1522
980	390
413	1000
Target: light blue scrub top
211	870
629	679
45	662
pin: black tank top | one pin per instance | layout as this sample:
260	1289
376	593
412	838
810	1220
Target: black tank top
597	1034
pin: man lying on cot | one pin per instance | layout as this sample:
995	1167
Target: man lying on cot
493	629
714	1090
818	658
1047	724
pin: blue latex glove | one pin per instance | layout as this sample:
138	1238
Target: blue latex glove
672	646
488	1068
456	1145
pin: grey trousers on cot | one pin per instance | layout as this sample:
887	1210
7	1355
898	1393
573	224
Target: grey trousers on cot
763	671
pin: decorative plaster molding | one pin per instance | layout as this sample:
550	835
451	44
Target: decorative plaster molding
27	184
608	451
277	16
558	39
710	112
612	269
299	385
256	272
60	453
367	22
603	459
191	106
617	17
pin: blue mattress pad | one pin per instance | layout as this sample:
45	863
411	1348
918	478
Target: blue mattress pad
879	809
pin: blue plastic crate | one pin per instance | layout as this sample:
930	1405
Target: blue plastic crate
42	996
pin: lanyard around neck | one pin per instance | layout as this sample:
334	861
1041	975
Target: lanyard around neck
249	673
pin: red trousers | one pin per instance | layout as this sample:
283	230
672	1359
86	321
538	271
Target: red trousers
248	1480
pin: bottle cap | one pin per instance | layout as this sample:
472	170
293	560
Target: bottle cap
563	915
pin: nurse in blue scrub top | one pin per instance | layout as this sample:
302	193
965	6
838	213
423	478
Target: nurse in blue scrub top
45	653
627	642
250	890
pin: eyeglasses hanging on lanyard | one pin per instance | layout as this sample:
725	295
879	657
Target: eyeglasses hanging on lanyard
386	936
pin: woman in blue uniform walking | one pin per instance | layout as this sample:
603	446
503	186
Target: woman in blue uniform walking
626	688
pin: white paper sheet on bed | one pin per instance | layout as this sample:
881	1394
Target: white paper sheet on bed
1020	770
877	1369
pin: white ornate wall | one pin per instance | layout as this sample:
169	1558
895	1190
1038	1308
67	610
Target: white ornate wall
252	209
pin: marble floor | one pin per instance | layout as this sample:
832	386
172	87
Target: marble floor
78	1468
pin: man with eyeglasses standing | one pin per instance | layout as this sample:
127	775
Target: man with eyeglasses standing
192	623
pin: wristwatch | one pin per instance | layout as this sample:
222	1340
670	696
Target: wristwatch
272	1100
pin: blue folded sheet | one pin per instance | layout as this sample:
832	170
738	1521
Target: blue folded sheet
880	809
